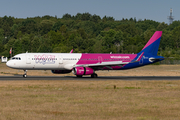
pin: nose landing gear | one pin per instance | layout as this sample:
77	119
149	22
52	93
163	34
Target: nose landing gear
25	71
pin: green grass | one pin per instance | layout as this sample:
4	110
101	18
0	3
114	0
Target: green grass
132	87
87	100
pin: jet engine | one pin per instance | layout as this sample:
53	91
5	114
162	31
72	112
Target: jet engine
83	71
60	71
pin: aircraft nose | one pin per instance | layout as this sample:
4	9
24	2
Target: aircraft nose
9	64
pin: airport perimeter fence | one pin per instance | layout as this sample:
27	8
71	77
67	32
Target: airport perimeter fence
170	62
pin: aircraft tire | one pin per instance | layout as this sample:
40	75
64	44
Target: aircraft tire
79	76
24	75
94	75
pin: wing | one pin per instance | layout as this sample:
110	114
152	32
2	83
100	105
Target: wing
103	64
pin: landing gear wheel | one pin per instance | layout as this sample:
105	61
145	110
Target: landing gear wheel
79	76
24	75
25	71
94	75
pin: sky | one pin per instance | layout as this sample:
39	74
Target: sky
156	10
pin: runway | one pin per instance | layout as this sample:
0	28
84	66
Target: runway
20	77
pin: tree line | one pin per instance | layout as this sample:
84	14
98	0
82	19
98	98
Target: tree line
85	33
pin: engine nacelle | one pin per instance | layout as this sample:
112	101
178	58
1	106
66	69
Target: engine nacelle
83	71
60	71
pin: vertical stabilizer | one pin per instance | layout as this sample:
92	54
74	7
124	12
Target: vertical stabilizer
153	44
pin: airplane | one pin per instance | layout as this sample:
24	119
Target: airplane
87	63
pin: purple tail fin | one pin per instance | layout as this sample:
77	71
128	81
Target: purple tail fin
153	44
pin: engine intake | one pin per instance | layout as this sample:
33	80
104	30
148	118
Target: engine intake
60	71
83	71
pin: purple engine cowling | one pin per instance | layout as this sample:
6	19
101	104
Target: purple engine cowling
83	71
60	71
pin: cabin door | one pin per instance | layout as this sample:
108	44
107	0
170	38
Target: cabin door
60	59
28	59
100	59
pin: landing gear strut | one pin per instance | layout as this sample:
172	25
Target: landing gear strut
25	71
94	75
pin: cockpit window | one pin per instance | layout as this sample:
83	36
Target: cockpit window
16	58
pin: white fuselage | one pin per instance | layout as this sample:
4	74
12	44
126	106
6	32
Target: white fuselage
44	61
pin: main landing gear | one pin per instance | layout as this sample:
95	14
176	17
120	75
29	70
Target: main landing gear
79	76
25	71
94	75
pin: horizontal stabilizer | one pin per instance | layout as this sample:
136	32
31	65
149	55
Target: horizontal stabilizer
157	58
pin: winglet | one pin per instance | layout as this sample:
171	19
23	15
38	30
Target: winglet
139	58
71	51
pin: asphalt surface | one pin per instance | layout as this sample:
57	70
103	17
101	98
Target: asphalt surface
20	77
